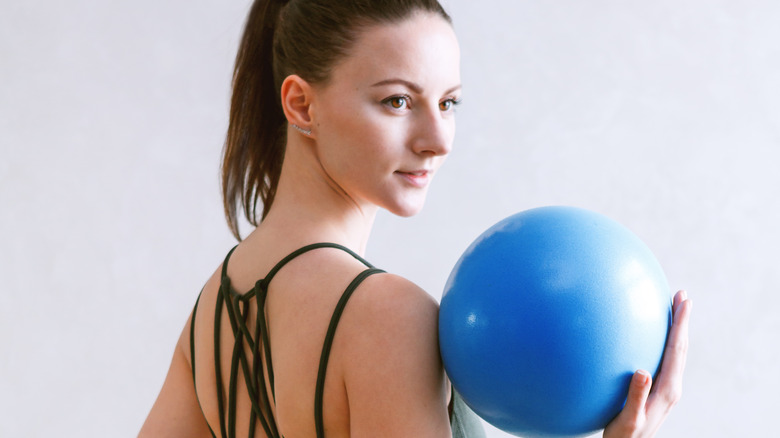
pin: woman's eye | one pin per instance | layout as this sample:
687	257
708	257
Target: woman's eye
397	102
446	105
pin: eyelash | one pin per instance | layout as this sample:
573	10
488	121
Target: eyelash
453	102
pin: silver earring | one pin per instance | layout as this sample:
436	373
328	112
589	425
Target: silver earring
301	130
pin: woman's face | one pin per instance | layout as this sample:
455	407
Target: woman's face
384	121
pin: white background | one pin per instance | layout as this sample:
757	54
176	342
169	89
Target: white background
664	115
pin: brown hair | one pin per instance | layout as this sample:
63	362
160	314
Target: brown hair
303	37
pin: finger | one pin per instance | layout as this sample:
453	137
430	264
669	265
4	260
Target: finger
677	344
679	297
668	385
638	391
675	351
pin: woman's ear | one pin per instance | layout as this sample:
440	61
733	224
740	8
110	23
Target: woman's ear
296	102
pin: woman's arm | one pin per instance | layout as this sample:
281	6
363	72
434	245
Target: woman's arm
176	412
648	405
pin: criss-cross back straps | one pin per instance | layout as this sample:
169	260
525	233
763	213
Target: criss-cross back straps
237	306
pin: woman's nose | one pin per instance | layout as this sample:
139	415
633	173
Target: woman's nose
434	134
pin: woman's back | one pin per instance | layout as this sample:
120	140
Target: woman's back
301	299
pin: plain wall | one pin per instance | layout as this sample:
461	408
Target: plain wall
663	115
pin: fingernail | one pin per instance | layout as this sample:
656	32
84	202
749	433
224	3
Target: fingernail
642	377
684	294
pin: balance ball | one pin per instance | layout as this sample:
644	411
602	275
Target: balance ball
546	317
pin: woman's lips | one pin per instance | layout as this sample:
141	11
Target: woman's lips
417	178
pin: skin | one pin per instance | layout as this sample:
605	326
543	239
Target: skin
380	128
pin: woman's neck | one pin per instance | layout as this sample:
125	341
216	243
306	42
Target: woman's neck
309	207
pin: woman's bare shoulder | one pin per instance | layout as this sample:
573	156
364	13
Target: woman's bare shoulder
393	375
386	300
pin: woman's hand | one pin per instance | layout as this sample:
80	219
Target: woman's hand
647	405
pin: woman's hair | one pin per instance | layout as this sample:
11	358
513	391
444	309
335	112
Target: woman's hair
281	38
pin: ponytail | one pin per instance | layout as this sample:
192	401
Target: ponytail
254	147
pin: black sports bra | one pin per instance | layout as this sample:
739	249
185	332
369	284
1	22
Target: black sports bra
254	379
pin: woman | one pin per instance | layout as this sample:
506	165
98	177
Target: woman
339	108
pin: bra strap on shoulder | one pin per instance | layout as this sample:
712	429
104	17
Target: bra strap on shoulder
192	354
334	321
308	248
225	263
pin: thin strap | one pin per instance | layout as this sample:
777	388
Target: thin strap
192	354
223	275
237	306
334	321
264	282
217	365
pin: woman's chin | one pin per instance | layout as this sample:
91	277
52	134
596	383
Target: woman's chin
409	209
405	213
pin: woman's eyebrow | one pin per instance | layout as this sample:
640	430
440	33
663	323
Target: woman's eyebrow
410	85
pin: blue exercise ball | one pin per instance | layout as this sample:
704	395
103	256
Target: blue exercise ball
546	317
